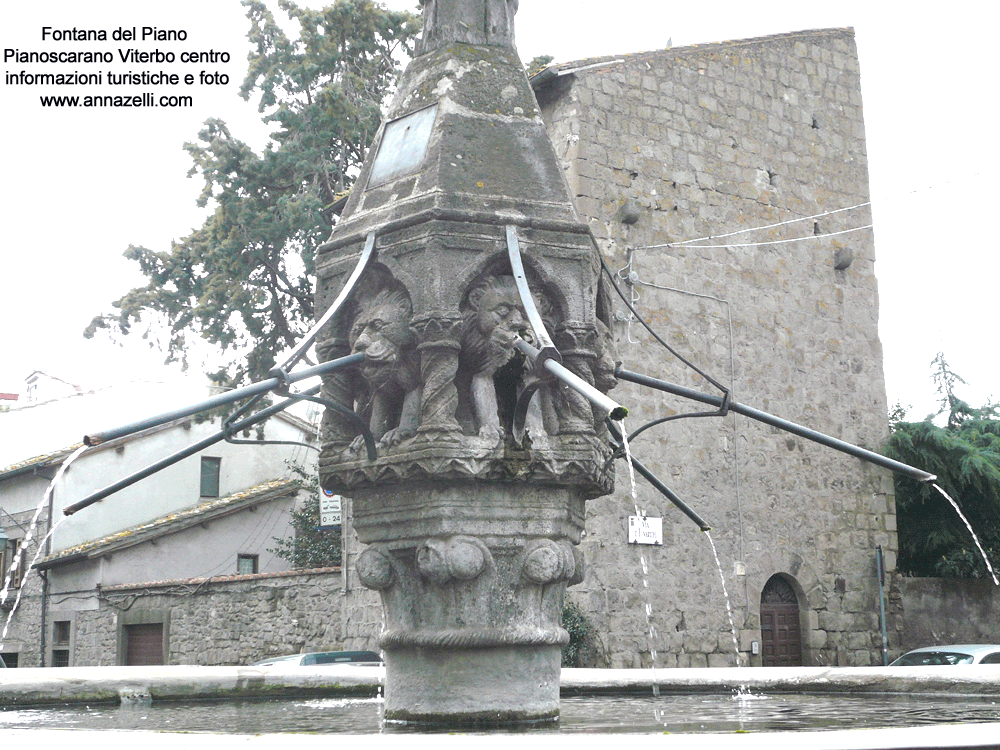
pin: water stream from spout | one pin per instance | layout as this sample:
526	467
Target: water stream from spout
28	536
968	525
651	629
725	594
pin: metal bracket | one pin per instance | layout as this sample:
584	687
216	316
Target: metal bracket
307	340
654	480
547	349
521	409
355	418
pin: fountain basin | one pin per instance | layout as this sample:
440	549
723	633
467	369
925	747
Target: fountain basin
21	687
295	707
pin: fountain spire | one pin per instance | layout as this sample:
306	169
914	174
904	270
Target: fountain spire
478	22
473	508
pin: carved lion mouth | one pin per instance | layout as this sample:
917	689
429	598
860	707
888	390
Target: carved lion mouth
378	353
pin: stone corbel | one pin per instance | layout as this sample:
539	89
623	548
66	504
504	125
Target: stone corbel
459	558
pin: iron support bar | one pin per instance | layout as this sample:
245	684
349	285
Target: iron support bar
254	389
609	406
664	490
307	341
521	410
534	319
781	424
183	453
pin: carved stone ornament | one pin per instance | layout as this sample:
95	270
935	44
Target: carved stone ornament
375	569
457	559
493	321
545	561
390	377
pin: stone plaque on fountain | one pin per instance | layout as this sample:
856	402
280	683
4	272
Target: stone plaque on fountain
471	532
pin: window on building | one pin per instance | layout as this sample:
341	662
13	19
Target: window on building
210	470
246	564
7	555
61	630
60	657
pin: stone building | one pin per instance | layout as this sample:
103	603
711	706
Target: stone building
98	583
710	141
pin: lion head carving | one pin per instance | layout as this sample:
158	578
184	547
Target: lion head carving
382	332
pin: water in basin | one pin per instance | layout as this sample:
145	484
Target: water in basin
590	714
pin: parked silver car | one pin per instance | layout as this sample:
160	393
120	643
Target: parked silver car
937	656
354	658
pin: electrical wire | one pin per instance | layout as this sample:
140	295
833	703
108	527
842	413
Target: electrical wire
760	228
681	243
656	336
774	242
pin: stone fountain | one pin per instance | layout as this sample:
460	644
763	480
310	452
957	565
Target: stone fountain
467	252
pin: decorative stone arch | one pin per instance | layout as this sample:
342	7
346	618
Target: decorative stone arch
541	280
793	570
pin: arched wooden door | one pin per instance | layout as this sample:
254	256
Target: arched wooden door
780	632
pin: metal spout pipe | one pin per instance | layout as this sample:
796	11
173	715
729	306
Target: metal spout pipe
669	494
609	406
781	424
184	453
664	490
237	394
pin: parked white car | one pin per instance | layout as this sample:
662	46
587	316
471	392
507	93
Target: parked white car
325	658
939	656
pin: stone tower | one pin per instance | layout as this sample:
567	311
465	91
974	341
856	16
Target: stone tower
471	532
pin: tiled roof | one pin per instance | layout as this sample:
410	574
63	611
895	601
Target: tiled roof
173	522
146	585
37	462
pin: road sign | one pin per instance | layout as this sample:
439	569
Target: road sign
645	530
329	510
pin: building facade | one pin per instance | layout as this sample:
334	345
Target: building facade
209	517
710	141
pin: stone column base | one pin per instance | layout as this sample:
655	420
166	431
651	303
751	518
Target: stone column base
515	684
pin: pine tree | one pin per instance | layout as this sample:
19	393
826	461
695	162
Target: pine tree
244	279
965	456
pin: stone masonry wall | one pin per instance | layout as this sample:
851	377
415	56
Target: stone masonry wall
708	140
949	610
24	627
223	621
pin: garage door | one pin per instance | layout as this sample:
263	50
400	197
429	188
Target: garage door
144	644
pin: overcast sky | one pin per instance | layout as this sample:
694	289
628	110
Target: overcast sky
80	185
